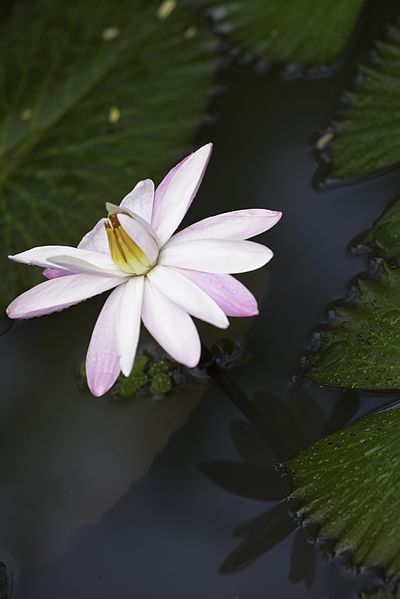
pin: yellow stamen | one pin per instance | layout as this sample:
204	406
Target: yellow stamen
126	254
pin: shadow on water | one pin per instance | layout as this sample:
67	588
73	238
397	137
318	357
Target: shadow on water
297	421
82	513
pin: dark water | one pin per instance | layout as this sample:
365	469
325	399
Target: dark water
141	500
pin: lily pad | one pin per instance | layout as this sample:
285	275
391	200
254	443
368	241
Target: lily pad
88	109
385	236
307	32
349	484
362	349
367	134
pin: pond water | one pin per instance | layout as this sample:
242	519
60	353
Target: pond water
163	499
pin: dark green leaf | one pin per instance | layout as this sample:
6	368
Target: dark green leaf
367	132
93	97
349	483
385	236
310	31
362	350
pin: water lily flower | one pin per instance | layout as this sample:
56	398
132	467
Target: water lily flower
158	276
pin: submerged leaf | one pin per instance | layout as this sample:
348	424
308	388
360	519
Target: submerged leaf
349	483
93	97
367	131
310	31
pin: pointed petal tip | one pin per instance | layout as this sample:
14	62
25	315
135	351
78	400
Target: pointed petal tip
100	385
145	182
225	324
126	369
206	149
97	391
9	312
191	363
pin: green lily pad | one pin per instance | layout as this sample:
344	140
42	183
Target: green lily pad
93	97
349	484
362	349
367	134
385	236
307	32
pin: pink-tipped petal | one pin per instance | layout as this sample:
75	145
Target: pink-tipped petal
229	293
140	199
216	255
102	359
69	259
170	326
54	273
187	295
176	192
57	294
96	239
237	225
127	322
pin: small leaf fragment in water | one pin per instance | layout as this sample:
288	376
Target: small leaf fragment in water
138	378
161	380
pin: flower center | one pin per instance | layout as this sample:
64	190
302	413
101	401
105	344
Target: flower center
126	254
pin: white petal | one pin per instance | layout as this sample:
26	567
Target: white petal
214	255
128	322
170	326
102	359
187	295
96	239
176	192
237	225
140	199
69	258
140	235
57	294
